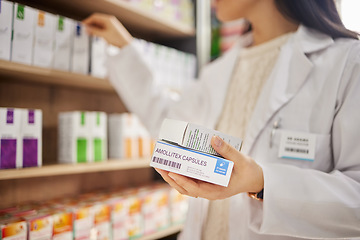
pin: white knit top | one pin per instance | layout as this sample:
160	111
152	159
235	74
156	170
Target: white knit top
253	68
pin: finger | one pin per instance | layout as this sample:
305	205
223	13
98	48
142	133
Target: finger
224	149
171	182
95	31
95	18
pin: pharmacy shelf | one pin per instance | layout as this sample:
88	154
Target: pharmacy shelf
66	169
142	23
163	233
32	74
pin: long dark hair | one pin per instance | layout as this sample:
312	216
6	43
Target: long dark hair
321	15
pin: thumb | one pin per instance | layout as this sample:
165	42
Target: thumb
224	149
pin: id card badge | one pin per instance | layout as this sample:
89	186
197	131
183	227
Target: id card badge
297	145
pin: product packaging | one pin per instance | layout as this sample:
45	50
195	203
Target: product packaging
44	39
23	34
123	139
40	226
179	204
6	25
102	221
98	140
119	217
135	218
98	56
63	225
13	228
10	138
64	35
156	210
81	50
187	162
83	221
74	137
193	136
31	136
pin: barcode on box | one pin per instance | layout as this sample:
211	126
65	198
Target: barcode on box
297	150
167	162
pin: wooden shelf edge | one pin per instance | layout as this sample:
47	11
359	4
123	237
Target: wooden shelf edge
34	74
163	233
68	169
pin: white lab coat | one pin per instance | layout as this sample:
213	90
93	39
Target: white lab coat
314	88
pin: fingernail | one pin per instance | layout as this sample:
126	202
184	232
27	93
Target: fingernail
218	141
172	176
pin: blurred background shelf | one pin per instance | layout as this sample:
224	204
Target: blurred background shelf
67	169
141	23
11	71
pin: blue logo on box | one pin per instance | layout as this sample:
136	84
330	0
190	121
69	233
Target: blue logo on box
221	166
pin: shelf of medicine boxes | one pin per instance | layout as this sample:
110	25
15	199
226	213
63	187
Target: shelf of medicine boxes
11	71
68	169
140	22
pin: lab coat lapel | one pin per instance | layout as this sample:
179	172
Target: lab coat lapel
288	76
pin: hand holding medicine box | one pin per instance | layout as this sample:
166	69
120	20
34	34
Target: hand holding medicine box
185	149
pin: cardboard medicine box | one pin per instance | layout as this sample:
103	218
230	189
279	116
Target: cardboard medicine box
187	162
81	50
23	34
44	39
6	25
74	137
64	34
194	136
10	138
31	137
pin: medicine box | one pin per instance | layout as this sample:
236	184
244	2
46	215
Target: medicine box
63	225
123	139
10	138
187	162
119	217
23	34
64	34
81	50
194	136
98	56
102	221
74	137
44	39
6	25
31	137
83	221
98	140
40	226
13	228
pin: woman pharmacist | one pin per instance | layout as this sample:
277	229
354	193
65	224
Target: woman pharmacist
295	79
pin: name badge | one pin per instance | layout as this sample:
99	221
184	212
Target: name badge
297	145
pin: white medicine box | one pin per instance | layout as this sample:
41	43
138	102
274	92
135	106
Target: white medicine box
74	137
98	56
6	20
23	34
98	141
64	34
81	50
10	139
44	39
31	137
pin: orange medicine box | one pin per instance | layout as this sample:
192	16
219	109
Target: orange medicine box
12	228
